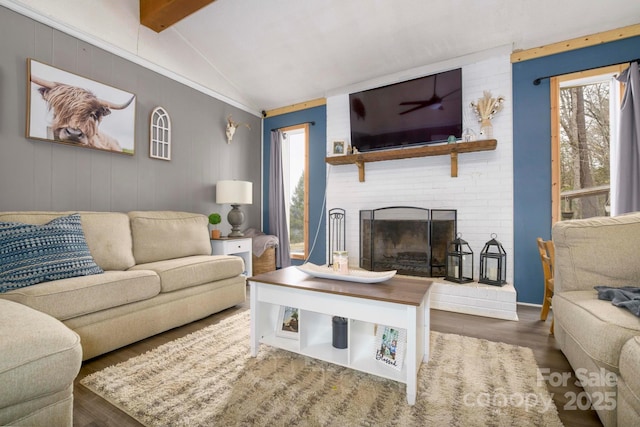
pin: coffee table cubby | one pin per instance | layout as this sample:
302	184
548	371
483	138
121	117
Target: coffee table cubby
316	340
318	301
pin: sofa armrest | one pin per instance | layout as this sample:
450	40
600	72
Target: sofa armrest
40	359
597	251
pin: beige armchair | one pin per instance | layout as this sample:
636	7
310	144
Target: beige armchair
600	340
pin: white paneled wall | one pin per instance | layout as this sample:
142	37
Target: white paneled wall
483	191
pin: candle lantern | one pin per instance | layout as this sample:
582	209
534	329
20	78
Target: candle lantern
493	263
459	265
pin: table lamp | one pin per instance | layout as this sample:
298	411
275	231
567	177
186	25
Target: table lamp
234	193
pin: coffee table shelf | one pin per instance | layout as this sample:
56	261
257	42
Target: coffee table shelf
318	300
316	341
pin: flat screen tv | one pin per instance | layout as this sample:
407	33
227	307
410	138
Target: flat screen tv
425	110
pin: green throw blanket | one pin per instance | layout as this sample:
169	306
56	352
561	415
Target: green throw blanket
627	297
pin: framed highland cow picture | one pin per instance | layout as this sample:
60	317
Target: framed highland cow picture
69	109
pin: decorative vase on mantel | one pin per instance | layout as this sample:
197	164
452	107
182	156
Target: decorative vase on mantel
468	135
485	109
486	129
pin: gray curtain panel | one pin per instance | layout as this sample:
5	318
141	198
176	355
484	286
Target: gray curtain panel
626	197
277	208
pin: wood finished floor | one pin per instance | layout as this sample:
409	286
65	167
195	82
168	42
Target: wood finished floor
92	411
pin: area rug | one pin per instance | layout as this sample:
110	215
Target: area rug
208	378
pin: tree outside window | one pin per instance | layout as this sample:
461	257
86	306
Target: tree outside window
585	132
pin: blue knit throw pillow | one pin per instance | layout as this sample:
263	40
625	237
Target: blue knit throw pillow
31	254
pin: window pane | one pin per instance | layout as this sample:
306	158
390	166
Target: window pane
294	154
584	148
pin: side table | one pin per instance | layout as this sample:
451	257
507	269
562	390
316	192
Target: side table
238	246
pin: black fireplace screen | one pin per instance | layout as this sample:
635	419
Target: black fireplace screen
411	240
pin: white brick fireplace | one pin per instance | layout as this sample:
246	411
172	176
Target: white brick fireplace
482	193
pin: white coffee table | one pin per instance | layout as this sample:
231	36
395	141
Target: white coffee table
400	302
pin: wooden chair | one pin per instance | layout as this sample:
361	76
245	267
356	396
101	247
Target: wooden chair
547	255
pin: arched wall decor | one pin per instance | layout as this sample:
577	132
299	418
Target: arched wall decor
160	134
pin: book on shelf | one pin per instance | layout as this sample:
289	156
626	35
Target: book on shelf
390	344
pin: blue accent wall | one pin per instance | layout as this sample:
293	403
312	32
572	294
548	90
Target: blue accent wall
532	151
317	174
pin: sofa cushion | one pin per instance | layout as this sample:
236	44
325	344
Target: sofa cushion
600	327
40	356
31	254
69	298
183	273
588	252
108	234
162	235
109	238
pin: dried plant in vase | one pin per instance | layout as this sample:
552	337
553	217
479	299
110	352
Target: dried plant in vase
486	108
232	126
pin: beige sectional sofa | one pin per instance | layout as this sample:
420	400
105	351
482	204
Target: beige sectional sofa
39	360
158	274
600	340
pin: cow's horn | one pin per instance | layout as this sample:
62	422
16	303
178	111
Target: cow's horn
42	82
117	106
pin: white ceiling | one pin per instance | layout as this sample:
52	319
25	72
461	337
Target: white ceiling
267	54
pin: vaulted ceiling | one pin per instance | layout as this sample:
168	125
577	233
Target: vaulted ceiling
267	54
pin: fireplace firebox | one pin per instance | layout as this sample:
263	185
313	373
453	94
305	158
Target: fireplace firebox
411	240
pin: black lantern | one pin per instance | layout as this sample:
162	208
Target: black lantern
459	266
493	263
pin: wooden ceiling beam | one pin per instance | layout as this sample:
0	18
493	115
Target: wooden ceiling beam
161	14
577	43
295	107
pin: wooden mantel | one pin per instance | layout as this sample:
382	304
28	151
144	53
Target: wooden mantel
360	159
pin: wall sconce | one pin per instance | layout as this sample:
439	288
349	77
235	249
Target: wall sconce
234	193
459	266
232	126
493	263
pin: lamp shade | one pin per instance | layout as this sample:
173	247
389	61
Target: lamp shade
234	192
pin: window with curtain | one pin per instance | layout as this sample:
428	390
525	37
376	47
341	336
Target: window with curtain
295	164
584	128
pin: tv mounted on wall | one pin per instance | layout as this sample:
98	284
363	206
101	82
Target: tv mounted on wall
425	110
